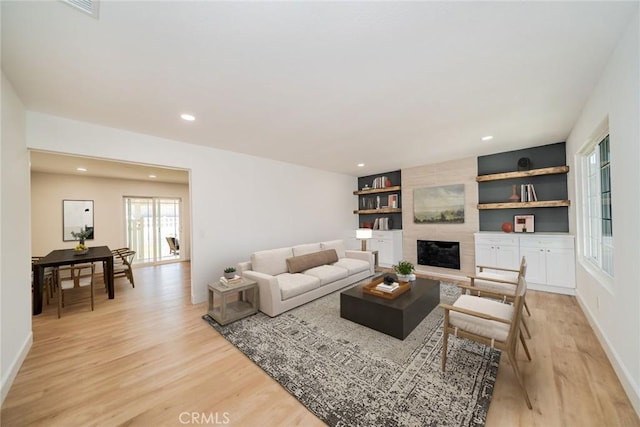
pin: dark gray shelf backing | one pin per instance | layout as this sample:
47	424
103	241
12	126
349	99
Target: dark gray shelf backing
394	176
548	187
545	219
395	218
543	156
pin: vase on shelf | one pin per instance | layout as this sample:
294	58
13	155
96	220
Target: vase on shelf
514	194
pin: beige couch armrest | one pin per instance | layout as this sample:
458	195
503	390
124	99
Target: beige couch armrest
364	256
269	290
244	266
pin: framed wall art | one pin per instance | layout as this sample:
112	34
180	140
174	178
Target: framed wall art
523	223
439	205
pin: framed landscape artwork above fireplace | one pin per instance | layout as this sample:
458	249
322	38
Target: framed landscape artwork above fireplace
439	205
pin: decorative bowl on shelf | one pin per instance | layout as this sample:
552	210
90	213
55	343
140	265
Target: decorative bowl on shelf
80	252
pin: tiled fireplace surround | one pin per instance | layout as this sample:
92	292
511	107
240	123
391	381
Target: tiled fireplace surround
453	172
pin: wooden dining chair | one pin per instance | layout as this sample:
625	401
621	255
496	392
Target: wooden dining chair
122	259
75	277
49	284
488	322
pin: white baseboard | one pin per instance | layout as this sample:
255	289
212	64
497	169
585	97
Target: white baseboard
630	387
12	372
552	289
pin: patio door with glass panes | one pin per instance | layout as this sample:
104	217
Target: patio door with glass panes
153	228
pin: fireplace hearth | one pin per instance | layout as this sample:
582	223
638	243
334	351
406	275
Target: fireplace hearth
439	254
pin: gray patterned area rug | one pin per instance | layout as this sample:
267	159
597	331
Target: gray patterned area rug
350	375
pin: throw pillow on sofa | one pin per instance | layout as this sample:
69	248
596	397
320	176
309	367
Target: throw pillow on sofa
298	264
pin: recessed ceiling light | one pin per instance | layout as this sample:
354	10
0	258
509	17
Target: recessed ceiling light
487	138
360	165
152	176
81	169
187	117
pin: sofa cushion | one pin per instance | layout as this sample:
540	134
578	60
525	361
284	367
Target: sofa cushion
273	261
338	245
486	328
292	285
352	265
327	273
309	248
298	264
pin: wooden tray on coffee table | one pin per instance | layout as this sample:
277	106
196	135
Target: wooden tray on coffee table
370	288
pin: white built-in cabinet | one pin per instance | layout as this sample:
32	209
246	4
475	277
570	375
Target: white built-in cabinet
550	258
497	251
389	246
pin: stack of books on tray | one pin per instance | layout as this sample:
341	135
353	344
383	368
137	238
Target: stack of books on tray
226	282
388	288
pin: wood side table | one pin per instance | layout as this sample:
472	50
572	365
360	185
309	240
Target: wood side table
375	258
225	310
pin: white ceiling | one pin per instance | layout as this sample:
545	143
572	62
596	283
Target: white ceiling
322	84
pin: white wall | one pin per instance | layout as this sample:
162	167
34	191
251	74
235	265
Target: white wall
15	264
615	313
239	203
48	191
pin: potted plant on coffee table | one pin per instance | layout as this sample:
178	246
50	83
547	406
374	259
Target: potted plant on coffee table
404	271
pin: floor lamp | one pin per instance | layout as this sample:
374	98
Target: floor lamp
364	234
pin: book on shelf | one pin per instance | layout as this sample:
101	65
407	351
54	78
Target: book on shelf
226	282
388	288
528	193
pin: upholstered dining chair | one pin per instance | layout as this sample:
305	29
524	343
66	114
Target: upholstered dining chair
75	277
122	259
488	322
498	282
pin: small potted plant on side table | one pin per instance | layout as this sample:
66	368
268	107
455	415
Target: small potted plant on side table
229	273
404	271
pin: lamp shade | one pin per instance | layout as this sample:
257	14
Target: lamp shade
364	233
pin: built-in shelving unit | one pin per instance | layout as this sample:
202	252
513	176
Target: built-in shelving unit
378	190
384	202
523	174
378	211
546	173
520	205
556	170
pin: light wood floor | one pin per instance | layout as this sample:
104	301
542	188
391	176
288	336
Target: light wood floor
146	358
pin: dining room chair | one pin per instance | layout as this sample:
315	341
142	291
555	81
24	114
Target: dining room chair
122	259
49	283
488	322
490	281
75	277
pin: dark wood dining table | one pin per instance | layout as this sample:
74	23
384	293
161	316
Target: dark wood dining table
70	257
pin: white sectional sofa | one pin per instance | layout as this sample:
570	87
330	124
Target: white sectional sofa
289	277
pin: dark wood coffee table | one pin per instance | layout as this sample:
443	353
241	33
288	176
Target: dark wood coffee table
397	317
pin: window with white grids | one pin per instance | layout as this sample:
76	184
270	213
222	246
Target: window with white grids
597	218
